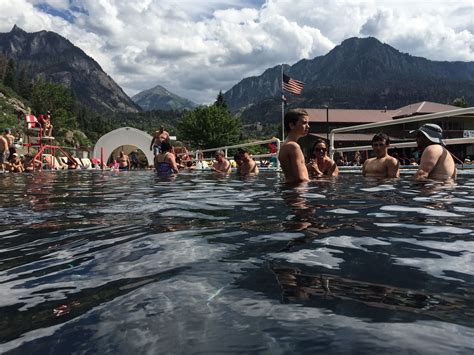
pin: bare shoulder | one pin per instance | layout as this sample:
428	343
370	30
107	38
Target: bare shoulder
392	160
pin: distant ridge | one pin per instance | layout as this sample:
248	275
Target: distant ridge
50	56
358	73
158	98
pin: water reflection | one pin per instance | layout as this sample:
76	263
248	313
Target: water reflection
120	262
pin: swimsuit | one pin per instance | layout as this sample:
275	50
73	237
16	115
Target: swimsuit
164	168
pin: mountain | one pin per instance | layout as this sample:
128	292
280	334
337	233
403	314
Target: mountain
52	57
158	98
359	73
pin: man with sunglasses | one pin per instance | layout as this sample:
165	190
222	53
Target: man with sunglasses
436	161
383	165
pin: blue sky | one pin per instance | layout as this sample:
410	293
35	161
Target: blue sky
195	48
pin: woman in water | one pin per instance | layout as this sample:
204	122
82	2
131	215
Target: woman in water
320	164
165	162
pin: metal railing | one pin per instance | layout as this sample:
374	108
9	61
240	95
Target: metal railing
421	118
225	149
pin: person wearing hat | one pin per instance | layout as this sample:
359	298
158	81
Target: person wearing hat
436	161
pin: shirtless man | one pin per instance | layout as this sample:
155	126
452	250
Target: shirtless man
290	156
124	161
320	164
383	165
4	153
436	161
221	165
245	164
159	137
45	122
7	133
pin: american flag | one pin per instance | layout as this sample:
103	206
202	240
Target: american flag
292	85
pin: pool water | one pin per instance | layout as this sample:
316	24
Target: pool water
123	262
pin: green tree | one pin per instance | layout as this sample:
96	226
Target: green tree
51	97
220	101
460	102
10	75
209	127
24	85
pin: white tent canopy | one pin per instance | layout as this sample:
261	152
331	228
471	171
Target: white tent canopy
124	136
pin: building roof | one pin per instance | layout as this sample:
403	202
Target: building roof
370	116
421	108
348	116
350	137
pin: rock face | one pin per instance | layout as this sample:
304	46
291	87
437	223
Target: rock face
52	57
359	73
158	98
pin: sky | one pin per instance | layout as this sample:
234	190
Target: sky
195	48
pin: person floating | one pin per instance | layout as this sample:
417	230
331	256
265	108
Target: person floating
320	164
290	156
383	165
436	161
159	137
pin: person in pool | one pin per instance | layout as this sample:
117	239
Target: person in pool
320	164
165	161
290	156
221	165
245	164
383	165
124	161
436	161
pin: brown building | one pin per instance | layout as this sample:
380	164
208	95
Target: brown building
325	120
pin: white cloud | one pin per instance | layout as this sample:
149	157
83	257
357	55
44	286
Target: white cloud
196	48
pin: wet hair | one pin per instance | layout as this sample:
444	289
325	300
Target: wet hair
292	116
165	146
238	156
381	137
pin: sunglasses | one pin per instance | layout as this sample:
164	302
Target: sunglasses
320	150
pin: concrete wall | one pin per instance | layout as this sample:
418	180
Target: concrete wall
122	137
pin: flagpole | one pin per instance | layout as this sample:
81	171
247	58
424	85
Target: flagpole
282	108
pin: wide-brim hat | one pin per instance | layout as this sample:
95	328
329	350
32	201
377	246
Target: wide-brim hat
431	131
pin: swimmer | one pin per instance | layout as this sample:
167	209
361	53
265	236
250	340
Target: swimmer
383	165
165	161
320	164
245	164
436	161
290	156
221	165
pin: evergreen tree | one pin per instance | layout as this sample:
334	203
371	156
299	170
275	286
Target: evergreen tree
460	102
24	85
10	75
220	101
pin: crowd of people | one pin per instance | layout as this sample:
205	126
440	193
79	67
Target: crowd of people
436	162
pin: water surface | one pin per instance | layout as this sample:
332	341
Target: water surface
123	262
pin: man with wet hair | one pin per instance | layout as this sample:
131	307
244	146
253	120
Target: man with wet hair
436	161
245	164
290	156
383	165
